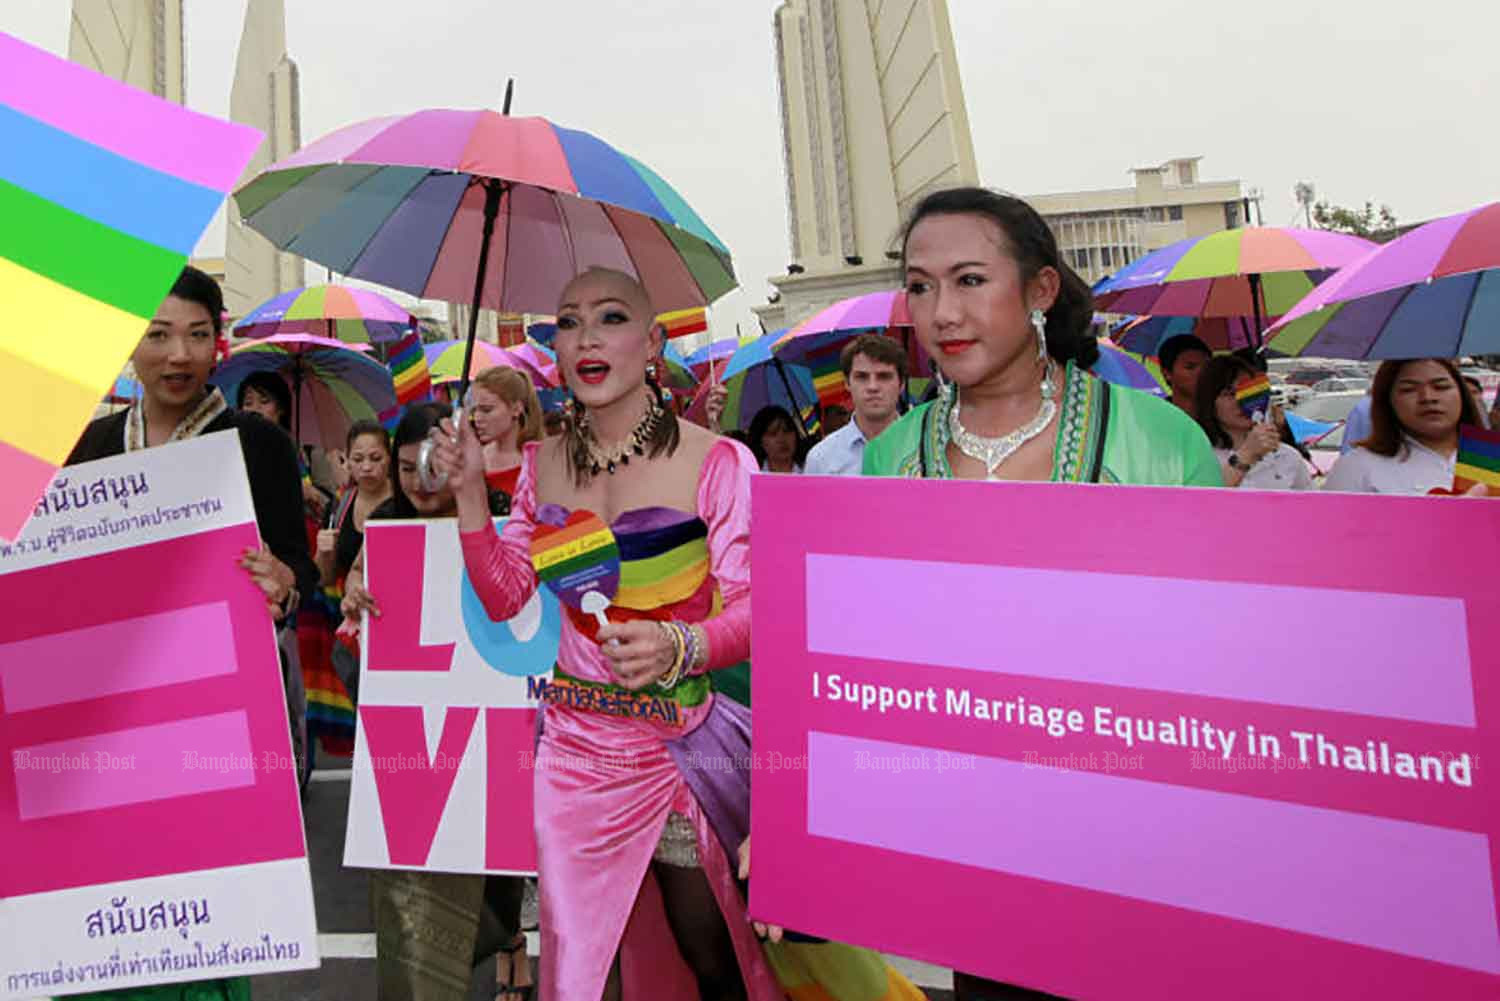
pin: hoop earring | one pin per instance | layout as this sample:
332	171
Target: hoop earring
1039	323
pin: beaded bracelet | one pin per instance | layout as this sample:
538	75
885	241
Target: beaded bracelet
700	644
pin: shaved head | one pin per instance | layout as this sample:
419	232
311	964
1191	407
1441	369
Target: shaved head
597	284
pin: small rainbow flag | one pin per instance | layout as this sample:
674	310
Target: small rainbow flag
828	378
684	321
104	191
409	371
1478	459
1253	393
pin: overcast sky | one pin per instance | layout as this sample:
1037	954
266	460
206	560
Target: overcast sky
1395	102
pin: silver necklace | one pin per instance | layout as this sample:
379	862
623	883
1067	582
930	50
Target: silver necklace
991	452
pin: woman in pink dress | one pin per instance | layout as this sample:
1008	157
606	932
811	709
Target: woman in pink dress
637	760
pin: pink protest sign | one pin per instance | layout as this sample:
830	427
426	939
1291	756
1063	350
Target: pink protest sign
448	702
1132	742
142	727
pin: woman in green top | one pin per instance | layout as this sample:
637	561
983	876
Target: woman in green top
1008	324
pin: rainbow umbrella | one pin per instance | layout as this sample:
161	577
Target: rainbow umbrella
1144	335
422	202
1254	272
338	312
333	384
817	342
104	192
1118	367
445	360
756	378
1431	293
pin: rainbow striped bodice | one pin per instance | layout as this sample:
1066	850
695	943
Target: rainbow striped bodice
664	567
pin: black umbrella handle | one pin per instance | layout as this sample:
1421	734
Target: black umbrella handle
494	192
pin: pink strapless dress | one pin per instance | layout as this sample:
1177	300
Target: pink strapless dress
606	783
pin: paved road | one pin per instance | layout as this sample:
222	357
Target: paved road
346	939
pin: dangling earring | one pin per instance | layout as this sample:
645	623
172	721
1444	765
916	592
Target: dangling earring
1039	324
944	387
662	393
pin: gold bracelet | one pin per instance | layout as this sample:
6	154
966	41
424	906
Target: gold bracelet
674	672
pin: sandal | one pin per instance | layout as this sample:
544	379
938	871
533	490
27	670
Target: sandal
511	988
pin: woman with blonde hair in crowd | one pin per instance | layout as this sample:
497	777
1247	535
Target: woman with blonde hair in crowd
506	414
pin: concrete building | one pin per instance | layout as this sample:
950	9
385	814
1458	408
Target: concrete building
266	95
1099	232
872	116
138	42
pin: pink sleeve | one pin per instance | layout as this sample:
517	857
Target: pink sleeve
724	505
499	563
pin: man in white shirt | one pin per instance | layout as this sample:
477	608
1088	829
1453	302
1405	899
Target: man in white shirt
874	370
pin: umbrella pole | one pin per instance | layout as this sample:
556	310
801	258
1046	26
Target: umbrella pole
297	403
796	403
1255	307
493	192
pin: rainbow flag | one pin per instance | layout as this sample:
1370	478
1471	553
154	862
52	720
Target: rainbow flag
684	322
104	192
408	367
1478	459
828	378
1253	393
412	378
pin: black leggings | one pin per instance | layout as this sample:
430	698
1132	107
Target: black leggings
700	932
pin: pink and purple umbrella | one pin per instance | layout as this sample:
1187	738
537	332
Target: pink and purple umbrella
720	350
1432	293
818	341
338	312
1255	272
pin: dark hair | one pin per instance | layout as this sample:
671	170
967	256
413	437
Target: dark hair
764	420
273	386
1385	426
1169	350
1031	243
197	286
878	348
414	427
359	429
1219	374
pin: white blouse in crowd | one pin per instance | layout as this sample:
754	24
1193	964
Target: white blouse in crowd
1414	469
1282	469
